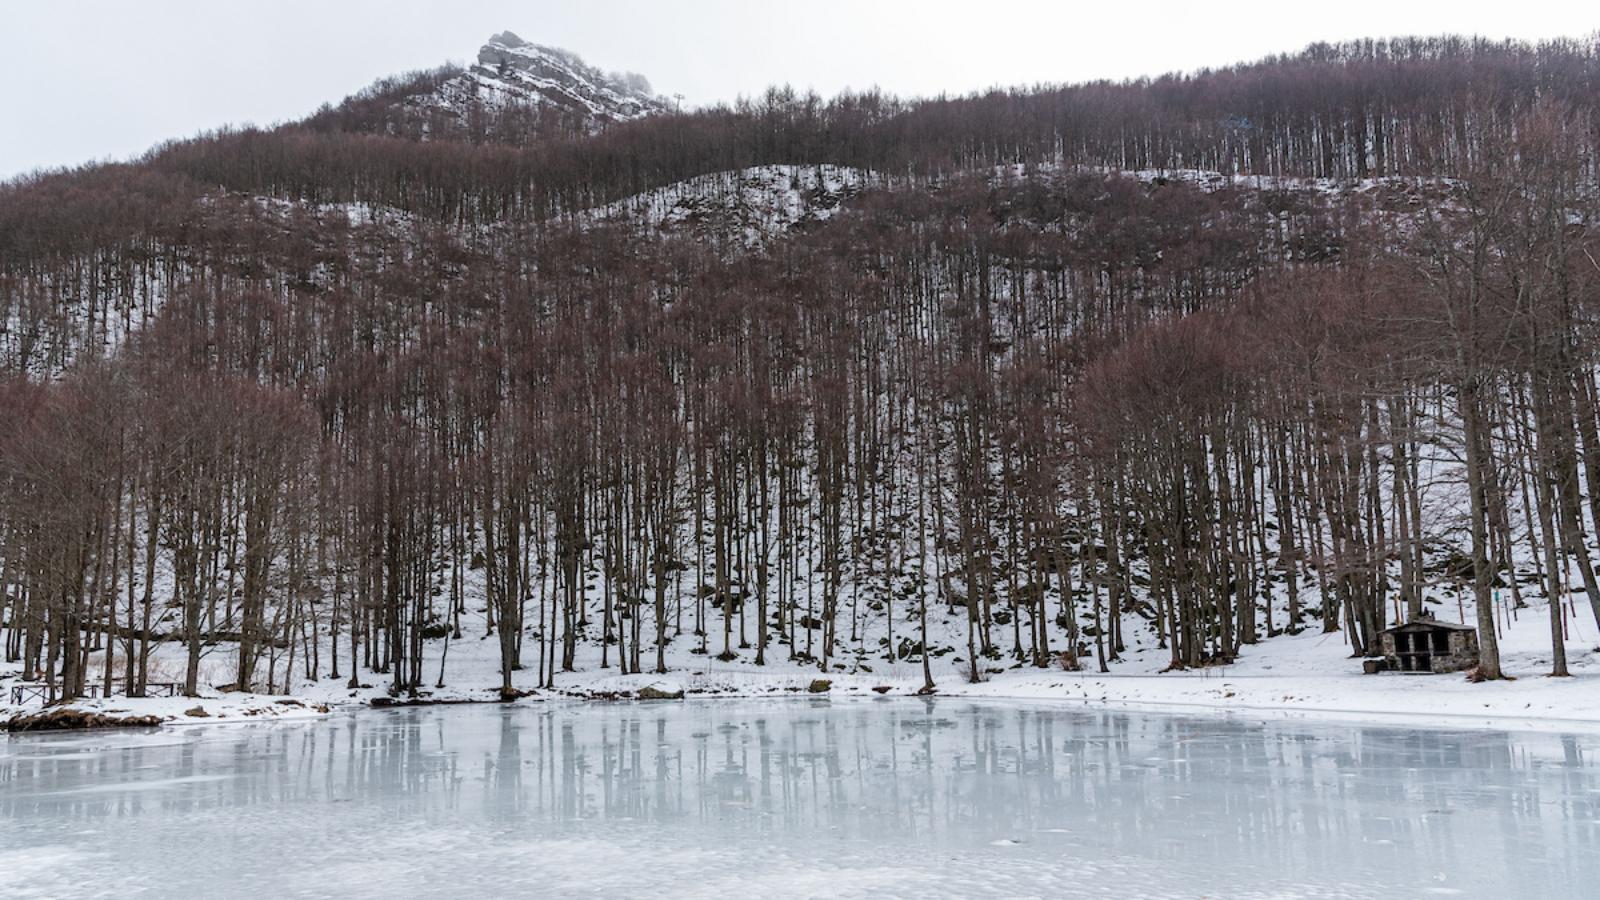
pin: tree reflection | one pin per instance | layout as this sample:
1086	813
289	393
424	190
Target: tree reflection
889	776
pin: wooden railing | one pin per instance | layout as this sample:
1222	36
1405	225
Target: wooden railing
21	693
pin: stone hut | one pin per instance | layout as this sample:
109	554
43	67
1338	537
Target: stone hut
1428	646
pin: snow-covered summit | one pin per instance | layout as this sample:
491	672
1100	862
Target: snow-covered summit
512	74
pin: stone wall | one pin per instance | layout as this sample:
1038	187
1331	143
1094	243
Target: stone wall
1440	649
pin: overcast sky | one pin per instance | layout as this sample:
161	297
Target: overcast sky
95	79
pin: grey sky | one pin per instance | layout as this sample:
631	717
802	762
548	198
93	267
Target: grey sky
83	80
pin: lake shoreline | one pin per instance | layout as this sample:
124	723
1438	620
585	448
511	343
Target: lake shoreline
1531	703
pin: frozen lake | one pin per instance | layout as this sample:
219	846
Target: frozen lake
771	799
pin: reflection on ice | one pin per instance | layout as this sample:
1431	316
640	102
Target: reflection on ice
802	798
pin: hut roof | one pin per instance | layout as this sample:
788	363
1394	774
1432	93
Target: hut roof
1427	624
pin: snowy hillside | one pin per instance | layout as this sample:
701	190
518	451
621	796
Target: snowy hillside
748	207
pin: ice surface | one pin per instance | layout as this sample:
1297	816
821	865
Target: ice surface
797	798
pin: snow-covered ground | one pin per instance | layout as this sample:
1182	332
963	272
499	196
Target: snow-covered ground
1310	674
208	708
212	706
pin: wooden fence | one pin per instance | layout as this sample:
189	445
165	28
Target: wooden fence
21	693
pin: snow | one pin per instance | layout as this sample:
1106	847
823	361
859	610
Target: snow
208	707
1416	189
748	206
1310	675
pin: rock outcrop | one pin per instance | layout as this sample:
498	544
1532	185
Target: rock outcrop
514	76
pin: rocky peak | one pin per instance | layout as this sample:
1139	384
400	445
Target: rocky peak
512	73
508	39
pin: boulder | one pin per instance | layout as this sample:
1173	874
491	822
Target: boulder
651	692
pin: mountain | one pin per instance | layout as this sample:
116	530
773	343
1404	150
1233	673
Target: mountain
515	77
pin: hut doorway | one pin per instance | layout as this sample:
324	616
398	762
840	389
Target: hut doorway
1415	651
